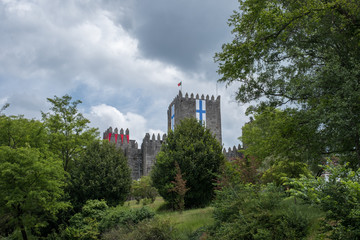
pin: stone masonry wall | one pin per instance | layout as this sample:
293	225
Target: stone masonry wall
150	148
140	160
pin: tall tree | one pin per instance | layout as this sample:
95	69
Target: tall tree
101	172
305	53
17	131
68	129
276	134
31	184
199	156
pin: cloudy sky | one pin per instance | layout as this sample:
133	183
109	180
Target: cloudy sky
122	58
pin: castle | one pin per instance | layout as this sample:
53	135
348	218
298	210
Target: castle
205	109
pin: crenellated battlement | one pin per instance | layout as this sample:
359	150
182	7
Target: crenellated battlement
232	153
194	97
154	139
116	137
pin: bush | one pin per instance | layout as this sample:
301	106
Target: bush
143	189
96	217
338	195
85	225
151	229
254	212
124	216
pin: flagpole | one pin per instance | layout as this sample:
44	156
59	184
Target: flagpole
216	89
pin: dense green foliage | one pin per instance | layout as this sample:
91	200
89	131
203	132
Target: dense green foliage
85	224
281	134
17	131
31	184
199	156
125	217
101	172
305	53
97	218
154	229
143	189
338	195
32	179
68	130
246	211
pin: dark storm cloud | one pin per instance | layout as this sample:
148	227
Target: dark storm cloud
122	58
178	32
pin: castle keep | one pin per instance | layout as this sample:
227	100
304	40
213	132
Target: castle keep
206	110
141	160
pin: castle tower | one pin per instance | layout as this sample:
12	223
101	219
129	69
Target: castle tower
204	109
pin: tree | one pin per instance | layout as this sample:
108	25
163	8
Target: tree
282	144
101	172
303	53
179	188
199	156
31	184
17	131
68	129
277	133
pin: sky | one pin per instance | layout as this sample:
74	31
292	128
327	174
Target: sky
122	58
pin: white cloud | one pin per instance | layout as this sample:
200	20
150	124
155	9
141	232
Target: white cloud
104	116
86	49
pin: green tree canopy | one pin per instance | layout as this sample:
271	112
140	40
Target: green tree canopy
199	156
67	128
17	131
31	184
143	189
101	172
303	53
338	194
283	143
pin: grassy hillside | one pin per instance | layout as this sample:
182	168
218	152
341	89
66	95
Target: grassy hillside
185	223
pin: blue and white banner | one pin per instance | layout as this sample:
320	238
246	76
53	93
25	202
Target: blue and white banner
201	111
172	117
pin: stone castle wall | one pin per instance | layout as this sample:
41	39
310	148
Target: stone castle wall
150	148
142	159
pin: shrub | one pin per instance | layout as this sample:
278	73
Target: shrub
143	189
124	216
85	225
151	229
96	217
254	212
338	195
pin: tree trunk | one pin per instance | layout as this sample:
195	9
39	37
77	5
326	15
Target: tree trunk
23	232
357	147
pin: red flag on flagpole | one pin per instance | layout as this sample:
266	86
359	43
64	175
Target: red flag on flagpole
179	84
